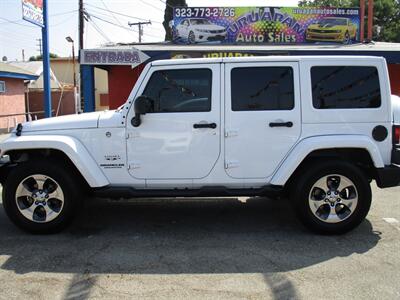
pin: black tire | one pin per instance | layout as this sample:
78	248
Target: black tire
191	38
63	175
301	190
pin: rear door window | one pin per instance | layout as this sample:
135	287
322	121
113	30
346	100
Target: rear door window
345	87
262	88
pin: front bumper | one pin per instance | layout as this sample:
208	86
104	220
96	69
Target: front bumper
204	36
316	36
388	176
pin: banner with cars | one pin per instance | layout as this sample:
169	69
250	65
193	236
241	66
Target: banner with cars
265	25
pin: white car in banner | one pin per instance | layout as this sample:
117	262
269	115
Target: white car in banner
196	30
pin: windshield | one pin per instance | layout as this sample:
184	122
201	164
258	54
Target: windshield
332	22
199	22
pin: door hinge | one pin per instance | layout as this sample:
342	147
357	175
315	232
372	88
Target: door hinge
230	133
134	165
231	164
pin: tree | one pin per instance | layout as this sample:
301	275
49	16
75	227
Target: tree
169	15
40	57
386	16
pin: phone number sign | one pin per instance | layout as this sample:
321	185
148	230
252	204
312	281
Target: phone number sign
275	25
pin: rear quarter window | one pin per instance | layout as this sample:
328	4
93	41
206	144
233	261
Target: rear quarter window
345	87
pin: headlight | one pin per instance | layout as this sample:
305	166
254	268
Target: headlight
337	31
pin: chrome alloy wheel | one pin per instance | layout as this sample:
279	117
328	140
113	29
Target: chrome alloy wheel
39	198
333	198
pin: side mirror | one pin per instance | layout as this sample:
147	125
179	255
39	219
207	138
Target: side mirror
142	105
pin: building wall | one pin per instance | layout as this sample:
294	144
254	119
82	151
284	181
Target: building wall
101	86
63	69
394	75
61	103
121	80
12	102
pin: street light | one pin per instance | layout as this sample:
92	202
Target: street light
70	40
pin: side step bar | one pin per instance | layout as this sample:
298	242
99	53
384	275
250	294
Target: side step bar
116	192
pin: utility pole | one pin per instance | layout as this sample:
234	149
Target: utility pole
23	54
80	46
39	44
370	19
46	62
140	26
81	26
362	19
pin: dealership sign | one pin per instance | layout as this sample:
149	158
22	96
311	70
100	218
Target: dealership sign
32	11
257	25
132	57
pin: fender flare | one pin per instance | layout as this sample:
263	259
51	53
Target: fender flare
70	146
299	152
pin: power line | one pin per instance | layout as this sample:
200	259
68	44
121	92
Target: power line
97	28
61	22
166	3
99	31
113	15
121	14
17	22
151	5
109	22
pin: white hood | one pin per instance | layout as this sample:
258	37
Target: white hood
81	121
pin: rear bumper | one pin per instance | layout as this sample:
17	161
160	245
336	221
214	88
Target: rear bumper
388	176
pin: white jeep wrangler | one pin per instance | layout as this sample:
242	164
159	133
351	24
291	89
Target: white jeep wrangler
319	128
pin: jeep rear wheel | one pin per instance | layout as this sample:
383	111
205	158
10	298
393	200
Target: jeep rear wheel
40	196
332	197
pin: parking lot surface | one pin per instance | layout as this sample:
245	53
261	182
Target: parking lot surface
197	249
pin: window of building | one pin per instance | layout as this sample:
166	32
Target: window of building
187	90
262	88
345	87
2	86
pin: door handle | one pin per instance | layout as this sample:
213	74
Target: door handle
281	124
205	125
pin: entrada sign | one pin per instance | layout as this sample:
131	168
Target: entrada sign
130	57
276	25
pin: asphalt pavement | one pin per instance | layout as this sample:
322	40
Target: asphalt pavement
203	249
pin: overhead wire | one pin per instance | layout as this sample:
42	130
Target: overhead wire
124	15
17	22
96	27
109	22
151	5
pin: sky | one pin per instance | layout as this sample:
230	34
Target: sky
17	34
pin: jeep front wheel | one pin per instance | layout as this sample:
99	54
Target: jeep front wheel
332	197
40	197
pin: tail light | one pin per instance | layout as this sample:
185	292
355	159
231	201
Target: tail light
396	134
